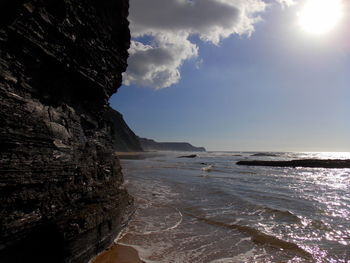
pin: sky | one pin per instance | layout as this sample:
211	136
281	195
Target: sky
237	75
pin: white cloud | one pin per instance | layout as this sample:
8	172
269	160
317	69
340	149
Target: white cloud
199	63
210	19
169	23
286	2
157	66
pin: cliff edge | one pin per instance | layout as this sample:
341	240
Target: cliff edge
61	187
124	139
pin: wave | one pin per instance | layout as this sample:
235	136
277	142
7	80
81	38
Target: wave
257	236
168	228
281	213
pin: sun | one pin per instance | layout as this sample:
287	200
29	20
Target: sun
320	16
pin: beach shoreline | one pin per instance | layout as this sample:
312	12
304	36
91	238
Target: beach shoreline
118	253
242	213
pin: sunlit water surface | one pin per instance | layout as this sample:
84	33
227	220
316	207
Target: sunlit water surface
238	213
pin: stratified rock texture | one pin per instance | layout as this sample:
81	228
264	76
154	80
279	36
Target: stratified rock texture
61	189
124	139
151	145
310	163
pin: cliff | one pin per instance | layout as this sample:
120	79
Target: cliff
124	139
61	187
151	145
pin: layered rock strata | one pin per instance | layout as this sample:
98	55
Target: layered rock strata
61	188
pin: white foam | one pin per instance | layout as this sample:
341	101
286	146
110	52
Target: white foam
207	168
243	257
143	253
178	223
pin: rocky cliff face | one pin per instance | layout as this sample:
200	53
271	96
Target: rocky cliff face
151	145
124	139
61	188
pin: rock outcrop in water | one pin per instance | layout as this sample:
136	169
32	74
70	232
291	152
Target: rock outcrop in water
151	145
62	195
188	156
310	163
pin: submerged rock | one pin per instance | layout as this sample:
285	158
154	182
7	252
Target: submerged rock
188	156
265	154
312	163
62	195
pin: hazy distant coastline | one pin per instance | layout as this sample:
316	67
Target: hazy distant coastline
152	145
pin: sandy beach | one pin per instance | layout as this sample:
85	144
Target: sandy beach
118	254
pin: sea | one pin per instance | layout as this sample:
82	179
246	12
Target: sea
208	209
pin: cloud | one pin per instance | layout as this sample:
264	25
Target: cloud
210	19
286	2
170	23
199	63
157	66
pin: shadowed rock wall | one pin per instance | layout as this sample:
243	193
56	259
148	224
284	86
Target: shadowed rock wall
61	188
124	139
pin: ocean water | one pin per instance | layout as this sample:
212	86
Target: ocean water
208	209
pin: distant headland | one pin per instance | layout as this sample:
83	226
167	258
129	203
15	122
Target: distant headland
152	145
125	140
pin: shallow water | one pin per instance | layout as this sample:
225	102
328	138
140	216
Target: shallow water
236	213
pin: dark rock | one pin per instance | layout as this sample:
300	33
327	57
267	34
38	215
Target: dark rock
124	139
265	154
62	195
151	145
311	163
188	156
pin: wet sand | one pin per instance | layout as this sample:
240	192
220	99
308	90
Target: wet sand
118	254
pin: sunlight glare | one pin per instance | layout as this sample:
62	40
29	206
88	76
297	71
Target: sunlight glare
320	16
